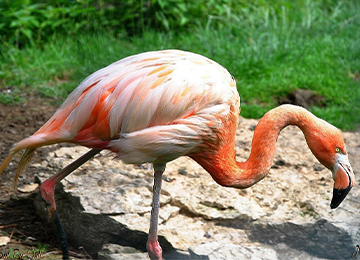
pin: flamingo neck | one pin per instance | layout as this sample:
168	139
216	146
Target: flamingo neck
219	159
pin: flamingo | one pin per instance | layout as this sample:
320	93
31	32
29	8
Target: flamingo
159	105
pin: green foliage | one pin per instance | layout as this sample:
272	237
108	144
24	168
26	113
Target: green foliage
271	47
25	21
11	98
41	248
37	21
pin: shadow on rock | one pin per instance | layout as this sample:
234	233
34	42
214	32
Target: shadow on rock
92	231
320	239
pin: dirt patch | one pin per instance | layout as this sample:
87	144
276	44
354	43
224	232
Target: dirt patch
18	219
16	123
303	97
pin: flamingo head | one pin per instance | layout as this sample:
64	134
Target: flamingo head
327	144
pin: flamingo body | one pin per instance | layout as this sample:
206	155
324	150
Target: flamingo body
151	107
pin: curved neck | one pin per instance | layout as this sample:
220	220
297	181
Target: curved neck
219	159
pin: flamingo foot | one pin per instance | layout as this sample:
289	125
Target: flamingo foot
154	250
47	189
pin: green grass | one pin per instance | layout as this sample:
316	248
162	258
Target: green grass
270	51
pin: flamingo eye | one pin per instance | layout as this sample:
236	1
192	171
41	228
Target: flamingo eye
337	150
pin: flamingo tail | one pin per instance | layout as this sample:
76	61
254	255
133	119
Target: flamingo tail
30	144
23	164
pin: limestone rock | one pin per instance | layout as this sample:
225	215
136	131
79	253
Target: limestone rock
217	251
4	240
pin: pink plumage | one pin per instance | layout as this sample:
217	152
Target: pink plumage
169	97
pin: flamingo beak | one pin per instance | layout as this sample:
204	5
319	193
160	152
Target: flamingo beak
344	180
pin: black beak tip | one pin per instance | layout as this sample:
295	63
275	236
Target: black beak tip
333	205
338	196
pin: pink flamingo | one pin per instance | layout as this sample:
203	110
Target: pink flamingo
156	106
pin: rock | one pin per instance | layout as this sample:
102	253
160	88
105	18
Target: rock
216	251
285	216
4	240
117	252
28	188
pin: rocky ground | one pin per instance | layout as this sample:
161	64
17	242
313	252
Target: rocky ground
105	205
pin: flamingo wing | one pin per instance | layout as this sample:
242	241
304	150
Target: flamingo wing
150	107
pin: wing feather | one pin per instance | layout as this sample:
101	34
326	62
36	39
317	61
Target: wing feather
153	89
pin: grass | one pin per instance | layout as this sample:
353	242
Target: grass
269	51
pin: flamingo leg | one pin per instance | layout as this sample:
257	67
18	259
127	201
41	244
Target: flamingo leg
153	247
47	189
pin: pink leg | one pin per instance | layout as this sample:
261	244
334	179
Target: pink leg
47	189
153	247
